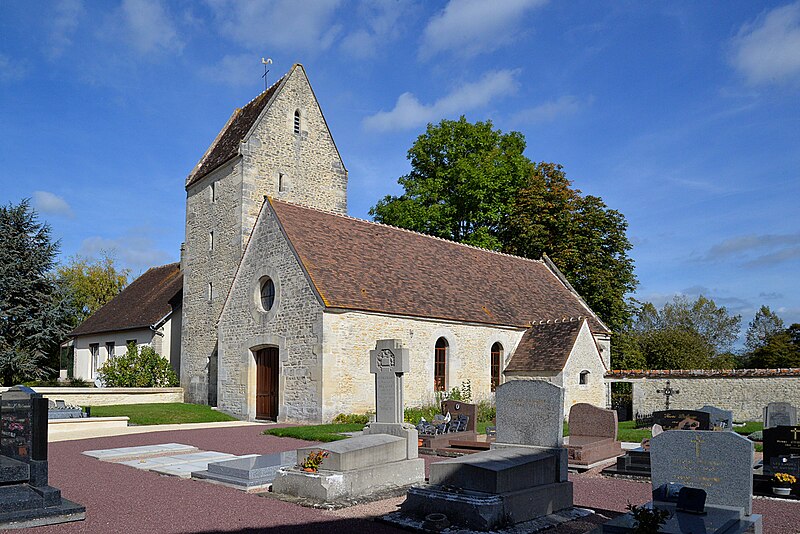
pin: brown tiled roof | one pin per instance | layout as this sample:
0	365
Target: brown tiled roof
146	300
226	145
545	347
360	265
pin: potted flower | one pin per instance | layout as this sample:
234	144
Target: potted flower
311	463
782	483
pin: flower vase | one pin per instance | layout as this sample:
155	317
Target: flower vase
782	490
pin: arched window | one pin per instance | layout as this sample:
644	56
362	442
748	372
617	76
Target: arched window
497	358
440	365
297	121
584	378
267	294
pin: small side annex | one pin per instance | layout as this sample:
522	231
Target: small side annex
315	291
146	312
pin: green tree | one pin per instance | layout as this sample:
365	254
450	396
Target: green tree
92	282
35	311
473	184
764	325
462	178
682	334
780	351
585	239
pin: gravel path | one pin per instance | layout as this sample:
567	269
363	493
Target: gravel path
121	499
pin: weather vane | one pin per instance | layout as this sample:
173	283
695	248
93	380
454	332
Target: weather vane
265	62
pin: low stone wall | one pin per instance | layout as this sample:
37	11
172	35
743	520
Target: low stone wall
109	396
744	391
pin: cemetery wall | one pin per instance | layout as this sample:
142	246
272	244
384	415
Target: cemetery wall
744	391
110	396
293	325
349	336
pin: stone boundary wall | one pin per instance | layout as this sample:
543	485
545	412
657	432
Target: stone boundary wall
109	396
744	391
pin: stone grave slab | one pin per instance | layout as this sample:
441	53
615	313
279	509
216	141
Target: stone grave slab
716	520
530	412
145	451
185	470
593	435
719	419
718	462
159	462
248	472
358	452
682	419
779	414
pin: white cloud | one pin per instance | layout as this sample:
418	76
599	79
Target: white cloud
753	250
63	22
149	27
236	71
409	113
768	49
11	71
471	27
563	106
51	204
286	24
135	250
383	23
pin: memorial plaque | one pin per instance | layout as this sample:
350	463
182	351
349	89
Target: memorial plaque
721	463
682	420
388	362
779	414
456	408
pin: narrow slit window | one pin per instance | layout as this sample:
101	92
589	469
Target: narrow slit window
281	183
211	240
213	191
297	121
210	291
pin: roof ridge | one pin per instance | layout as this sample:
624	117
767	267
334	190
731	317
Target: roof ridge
345	216
259	95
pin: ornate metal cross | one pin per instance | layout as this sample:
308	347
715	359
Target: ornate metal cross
668	392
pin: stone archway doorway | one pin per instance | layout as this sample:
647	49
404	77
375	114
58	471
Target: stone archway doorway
267	383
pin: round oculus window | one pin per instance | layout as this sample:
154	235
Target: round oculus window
267	294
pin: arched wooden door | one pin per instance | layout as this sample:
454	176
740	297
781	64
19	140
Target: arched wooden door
267	383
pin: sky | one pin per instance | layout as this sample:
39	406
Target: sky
684	116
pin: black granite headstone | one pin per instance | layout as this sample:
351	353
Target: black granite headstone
682	420
781	441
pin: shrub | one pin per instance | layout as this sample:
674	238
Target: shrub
138	369
486	411
414	414
351	419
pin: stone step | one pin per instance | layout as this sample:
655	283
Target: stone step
19	497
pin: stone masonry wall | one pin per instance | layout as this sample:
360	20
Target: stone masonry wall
293	325
584	357
744	393
313	175
348	386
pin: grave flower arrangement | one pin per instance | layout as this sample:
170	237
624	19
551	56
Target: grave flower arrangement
312	462
784	480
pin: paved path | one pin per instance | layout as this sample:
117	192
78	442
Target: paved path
122	499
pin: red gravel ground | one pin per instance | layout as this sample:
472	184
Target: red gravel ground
122	499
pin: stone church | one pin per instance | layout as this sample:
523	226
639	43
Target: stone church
284	295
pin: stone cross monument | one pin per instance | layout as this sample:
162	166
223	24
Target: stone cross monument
388	362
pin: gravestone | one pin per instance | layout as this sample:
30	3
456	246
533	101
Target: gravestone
530	412
26	499
779	414
523	476
592	435
388	362
61	410
782	450
719	419
253	473
682	420
721	463
457	408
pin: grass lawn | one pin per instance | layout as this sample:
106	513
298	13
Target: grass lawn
332	432
162	413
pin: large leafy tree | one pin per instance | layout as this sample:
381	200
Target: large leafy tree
92	282
35	312
682	334
462	179
764	325
472	183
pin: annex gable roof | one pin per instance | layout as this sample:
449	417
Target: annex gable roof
143	303
360	265
545	346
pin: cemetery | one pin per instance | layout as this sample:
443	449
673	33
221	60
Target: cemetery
693	474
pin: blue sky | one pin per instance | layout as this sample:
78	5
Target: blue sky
685	116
